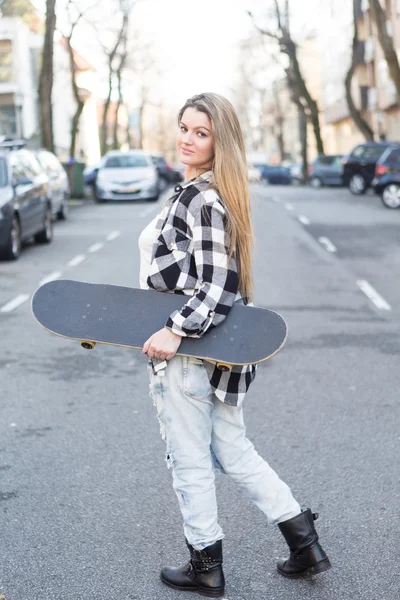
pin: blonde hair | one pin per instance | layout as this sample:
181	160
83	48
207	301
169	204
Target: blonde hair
230	180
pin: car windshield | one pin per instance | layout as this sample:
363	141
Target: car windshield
3	173
126	161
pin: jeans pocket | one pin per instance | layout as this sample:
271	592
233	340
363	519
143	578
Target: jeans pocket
196	383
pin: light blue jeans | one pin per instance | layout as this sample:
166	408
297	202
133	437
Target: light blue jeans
202	435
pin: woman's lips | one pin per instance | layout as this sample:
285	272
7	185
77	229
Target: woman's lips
186	151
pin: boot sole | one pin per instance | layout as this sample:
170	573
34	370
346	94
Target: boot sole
320	567
203	591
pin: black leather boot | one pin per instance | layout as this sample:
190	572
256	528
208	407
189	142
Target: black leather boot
202	574
306	555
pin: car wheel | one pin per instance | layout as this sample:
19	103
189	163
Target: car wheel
62	214
357	185
13	248
316	182
391	196
45	236
153	199
97	198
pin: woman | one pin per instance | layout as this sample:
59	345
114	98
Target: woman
200	245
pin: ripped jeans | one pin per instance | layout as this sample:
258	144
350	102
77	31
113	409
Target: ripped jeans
202	435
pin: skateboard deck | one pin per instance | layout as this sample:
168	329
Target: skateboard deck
108	314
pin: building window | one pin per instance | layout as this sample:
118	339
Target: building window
8	121
6	60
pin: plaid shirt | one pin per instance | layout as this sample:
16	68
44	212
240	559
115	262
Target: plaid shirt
190	256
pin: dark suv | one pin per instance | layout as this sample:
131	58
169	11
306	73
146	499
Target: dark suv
386	182
359	165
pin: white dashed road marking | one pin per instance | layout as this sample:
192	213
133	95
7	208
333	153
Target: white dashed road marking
327	244
17	301
113	235
76	260
289	206
373	295
275	199
95	247
304	220
54	275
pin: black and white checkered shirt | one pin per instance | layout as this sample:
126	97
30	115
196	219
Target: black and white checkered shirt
190	256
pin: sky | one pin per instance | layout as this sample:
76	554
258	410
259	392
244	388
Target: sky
196	41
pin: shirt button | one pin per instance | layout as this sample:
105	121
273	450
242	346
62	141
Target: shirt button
178	188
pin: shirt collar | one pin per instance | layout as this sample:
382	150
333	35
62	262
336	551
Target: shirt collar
204	177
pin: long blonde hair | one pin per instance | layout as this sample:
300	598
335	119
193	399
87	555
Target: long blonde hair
230	180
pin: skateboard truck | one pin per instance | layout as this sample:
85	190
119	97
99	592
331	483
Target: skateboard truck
224	367
87	344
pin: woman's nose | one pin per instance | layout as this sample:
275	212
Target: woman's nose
187	137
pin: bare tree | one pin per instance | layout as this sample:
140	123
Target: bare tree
46	79
113	57
289	47
380	18
355	113
74	16
123	55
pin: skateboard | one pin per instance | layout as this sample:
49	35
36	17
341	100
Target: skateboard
109	314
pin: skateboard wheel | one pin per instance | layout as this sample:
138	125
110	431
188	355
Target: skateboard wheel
224	367
88	345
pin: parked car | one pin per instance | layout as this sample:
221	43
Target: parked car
25	205
386	182
166	173
359	165
326	170
129	175
253	174
58	183
274	174
296	173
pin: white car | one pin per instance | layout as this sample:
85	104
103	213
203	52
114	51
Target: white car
129	175
254	174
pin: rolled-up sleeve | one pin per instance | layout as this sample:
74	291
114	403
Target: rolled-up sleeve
217	277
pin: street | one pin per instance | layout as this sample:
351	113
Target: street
87	510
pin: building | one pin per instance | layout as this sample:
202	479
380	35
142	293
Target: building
20	57
372	89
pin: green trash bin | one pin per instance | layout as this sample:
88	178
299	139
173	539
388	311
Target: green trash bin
76	180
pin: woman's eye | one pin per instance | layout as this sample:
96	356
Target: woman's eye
202	134
182	128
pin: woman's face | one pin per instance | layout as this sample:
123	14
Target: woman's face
195	140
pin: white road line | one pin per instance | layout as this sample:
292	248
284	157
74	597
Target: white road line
304	220
14	303
54	275
289	206
76	260
373	295
146	211
95	247
329	247
113	235
276	199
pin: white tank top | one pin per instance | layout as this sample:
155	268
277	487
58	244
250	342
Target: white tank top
146	241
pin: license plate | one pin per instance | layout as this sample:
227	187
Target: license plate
126	190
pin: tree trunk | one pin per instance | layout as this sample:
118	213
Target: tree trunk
386	41
46	80
140	140
303	121
354	112
290	48
80	103
111	72
278	129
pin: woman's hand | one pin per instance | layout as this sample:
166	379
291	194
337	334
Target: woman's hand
162	344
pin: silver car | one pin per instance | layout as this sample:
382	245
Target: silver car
127	175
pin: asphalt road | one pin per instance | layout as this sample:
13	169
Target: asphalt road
87	511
